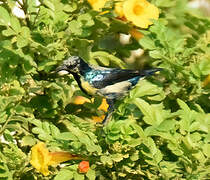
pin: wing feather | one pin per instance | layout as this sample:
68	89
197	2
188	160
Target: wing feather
113	76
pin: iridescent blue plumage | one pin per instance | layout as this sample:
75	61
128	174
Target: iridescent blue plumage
95	75
111	83
134	80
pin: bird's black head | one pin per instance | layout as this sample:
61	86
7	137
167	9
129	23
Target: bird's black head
72	65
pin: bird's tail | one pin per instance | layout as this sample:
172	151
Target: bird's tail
150	72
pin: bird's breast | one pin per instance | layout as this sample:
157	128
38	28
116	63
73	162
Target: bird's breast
88	87
115	90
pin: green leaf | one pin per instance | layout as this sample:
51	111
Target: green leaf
4	17
54	130
66	136
183	105
147	43
75	27
25	32
204	66
28	141
21	41
106	160
166	125
91	174
106	58
146	109
139	130
156	54
46	64
117	157
86	20
64	175
49	4
70	8
8	32
78	176
46	127
145	88
165	3
206	151
15	24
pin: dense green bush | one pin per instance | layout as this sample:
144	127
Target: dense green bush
161	130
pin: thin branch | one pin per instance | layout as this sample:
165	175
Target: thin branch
24	7
36	17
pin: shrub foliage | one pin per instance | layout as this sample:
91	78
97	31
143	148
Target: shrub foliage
161	130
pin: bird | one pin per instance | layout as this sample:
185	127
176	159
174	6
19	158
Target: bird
109	83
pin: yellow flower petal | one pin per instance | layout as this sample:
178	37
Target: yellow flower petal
206	81
139	12
81	100
40	158
59	157
119	9
97	4
97	119
136	34
104	106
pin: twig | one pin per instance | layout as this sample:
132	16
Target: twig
23	6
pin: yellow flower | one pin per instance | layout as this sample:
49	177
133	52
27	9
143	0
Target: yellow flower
119	9
139	12
136	34
41	158
81	100
206	81
97	4
104	106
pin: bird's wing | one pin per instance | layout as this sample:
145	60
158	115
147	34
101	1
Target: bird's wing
108	77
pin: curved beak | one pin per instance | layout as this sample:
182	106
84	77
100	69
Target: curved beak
62	69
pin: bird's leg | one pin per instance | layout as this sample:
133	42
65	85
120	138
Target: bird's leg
109	112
